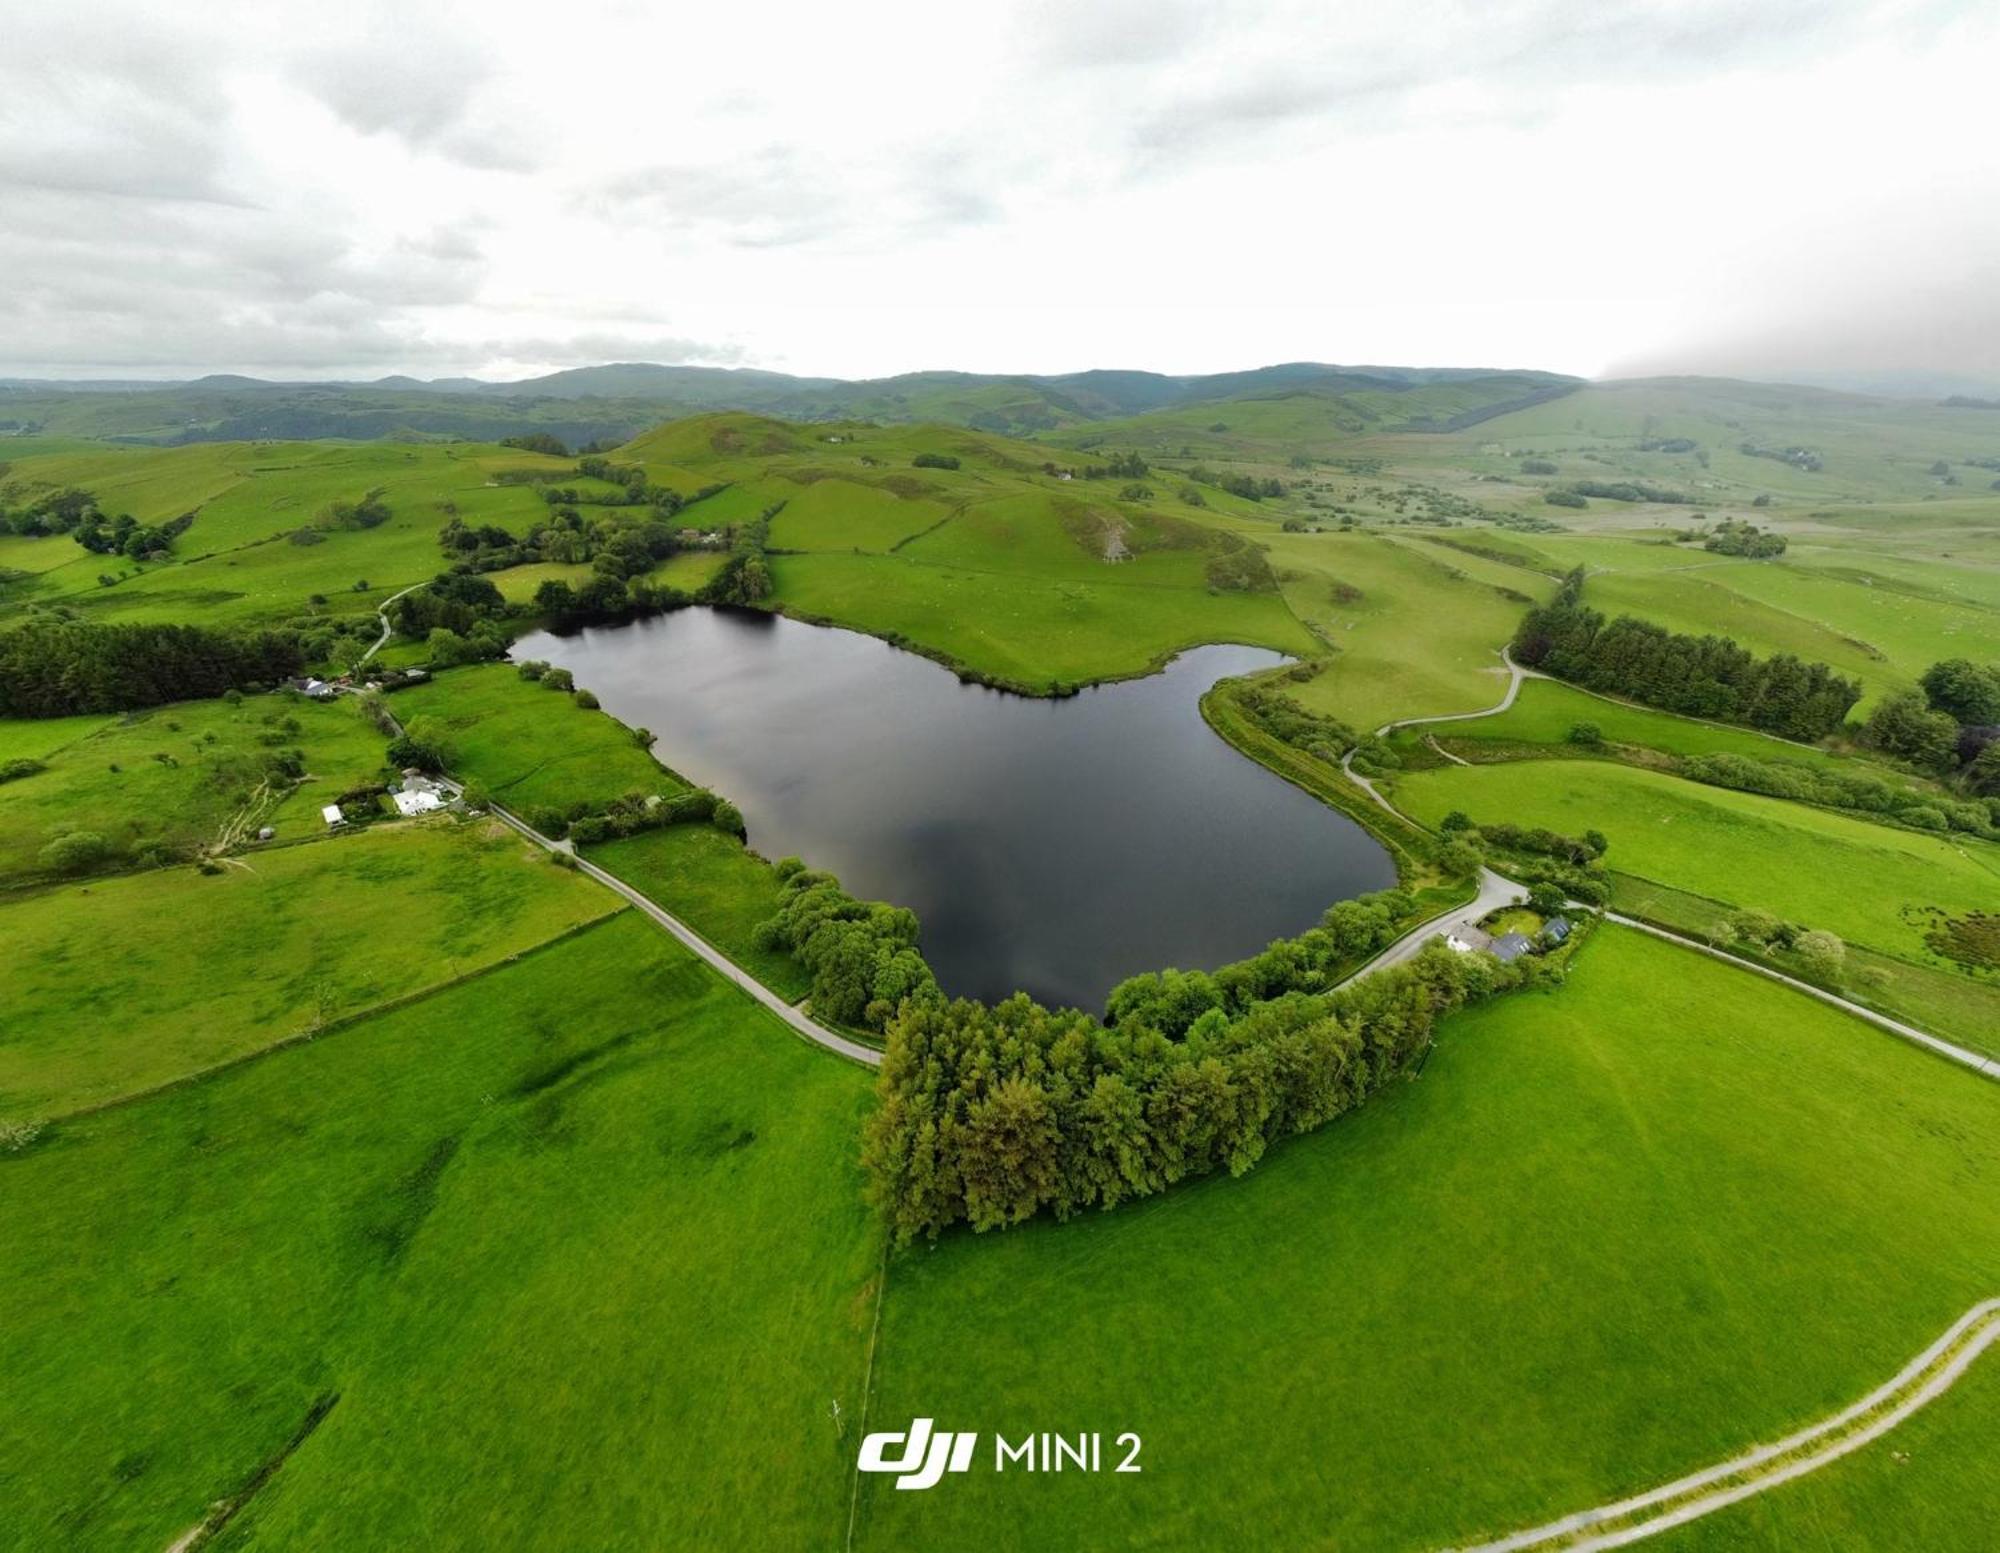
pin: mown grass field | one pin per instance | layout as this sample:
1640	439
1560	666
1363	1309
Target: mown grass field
1612	1234
577	1245
530	745
126	983
1863	881
716	885
106	775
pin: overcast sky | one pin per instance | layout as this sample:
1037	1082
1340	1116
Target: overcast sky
867	188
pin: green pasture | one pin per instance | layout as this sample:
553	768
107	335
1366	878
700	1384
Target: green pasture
576	1245
178	775
1867	882
717	886
125	983
529	745
1412	632
1612	1234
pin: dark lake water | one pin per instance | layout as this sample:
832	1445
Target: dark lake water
1054	847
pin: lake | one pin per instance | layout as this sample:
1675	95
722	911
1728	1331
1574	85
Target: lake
1052	847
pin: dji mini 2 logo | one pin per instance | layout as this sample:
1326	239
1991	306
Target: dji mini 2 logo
926	1455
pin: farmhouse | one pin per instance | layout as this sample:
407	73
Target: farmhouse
418	795
1467	940
318	689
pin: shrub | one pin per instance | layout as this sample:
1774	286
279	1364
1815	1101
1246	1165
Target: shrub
1820	951
559	679
1586	734
586	699
1564	499
77	852
532	669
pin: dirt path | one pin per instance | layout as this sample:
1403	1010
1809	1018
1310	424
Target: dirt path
1920	1382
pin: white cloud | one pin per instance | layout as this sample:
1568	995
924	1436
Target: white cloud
1691	184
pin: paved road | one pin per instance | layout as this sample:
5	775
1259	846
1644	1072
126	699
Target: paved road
1491	897
382	614
1986	1066
801	1023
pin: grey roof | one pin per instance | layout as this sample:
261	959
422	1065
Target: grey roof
1510	946
1557	928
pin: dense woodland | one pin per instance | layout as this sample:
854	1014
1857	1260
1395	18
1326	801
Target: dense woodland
1701	676
52	667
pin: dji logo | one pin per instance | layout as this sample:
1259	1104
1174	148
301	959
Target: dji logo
927	1455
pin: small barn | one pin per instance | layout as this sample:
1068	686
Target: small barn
332	815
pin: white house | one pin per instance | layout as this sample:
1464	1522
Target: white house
332	815
420	801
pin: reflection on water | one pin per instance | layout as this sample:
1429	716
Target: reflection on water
1054	847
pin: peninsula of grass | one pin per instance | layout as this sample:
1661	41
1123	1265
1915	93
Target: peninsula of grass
577	1245
530	745
1873	884
123	984
1612	1234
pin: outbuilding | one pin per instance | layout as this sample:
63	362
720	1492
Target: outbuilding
1510	946
332	815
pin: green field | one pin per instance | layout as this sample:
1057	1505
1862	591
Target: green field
717	886
1413	632
1584	1253
1863	881
126	983
107	775
576	1245
1944	1002
1546	710
530	745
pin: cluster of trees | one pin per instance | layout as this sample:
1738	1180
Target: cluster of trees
1563	867
1841	790
863	955
457	601
1284	719
934	461
634	812
126	535
745	578
52	665
1703	676
1537	466
1629	490
1819	953
75	512
1561	498
1798	458
993	1115
1950	727
1349	933
1731	537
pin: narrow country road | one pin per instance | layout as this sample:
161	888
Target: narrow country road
1496	890
382	614
801	1024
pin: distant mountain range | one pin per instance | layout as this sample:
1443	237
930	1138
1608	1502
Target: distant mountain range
610	403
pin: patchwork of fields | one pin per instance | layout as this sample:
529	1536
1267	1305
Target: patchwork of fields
399	1183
